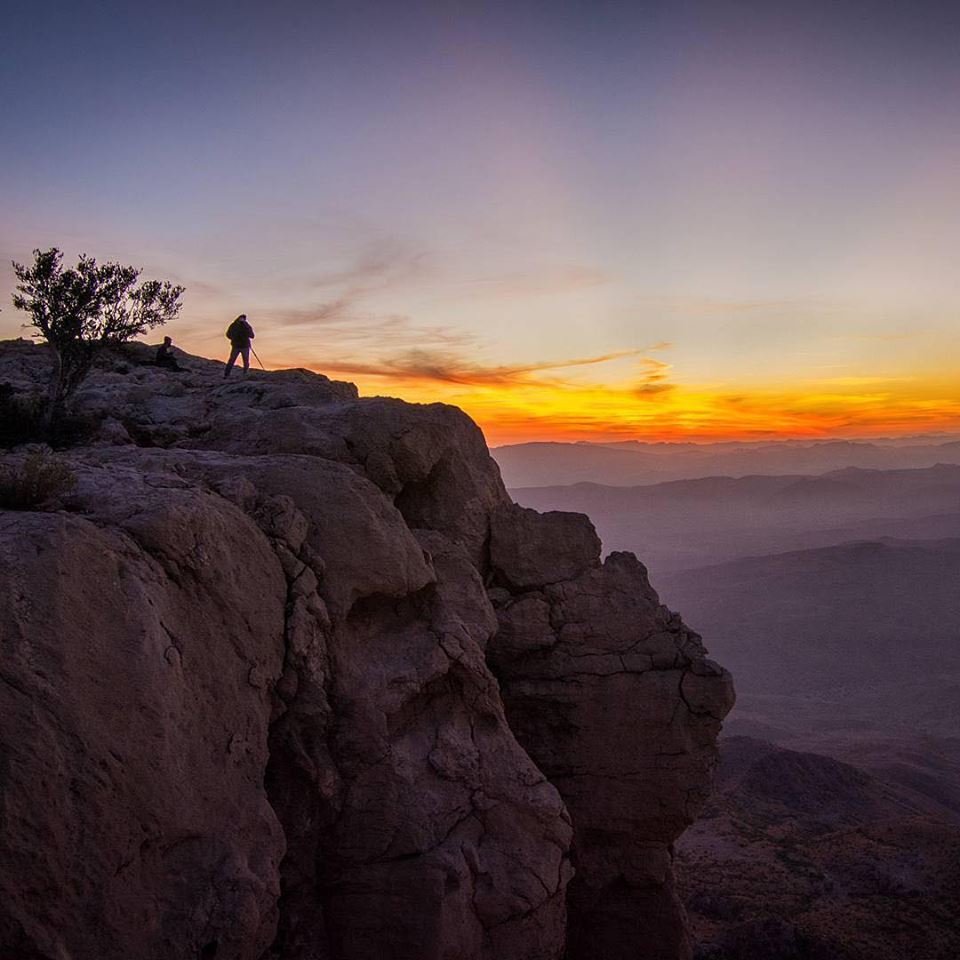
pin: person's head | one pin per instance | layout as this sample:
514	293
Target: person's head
242	316
167	341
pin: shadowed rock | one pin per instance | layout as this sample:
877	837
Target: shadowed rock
248	708
612	696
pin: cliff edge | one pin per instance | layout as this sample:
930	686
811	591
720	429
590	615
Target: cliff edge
288	675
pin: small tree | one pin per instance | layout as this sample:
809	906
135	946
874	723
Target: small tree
80	310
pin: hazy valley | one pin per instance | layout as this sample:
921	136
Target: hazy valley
632	462
682	524
834	826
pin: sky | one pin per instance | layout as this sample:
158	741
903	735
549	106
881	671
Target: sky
578	221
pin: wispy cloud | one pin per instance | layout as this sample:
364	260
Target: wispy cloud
453	368
339	327
646	390
345	317
653	377
378	266
339	310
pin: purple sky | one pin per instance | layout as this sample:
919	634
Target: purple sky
773	189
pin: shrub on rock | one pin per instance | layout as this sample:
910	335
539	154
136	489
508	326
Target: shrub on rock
40	478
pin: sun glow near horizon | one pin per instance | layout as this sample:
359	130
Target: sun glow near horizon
603	414
687	221
753	372
531	406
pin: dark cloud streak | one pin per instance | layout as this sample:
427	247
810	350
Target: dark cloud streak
451	367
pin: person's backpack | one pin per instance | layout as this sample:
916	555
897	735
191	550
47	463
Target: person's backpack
233	330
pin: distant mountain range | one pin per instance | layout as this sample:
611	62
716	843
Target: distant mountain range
833	599
621	464
687	523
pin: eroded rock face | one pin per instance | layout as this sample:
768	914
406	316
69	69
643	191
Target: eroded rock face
138	656
247	665
613	698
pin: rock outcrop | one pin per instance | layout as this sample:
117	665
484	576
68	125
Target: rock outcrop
613	698
287	675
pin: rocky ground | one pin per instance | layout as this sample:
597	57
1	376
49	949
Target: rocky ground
799	856
286	674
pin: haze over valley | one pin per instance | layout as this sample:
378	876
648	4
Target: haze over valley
634	462
830	591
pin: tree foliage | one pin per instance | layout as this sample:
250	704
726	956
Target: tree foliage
79	310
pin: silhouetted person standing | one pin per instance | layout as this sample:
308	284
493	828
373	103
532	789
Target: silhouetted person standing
239	333
165	357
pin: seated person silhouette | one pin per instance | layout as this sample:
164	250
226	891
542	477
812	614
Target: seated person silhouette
165	357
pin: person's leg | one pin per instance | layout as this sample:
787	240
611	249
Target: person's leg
245	353
234	353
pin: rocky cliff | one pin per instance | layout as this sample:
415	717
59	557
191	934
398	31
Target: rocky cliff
288	675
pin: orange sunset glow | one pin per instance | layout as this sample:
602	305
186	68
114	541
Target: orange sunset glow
570	400
621	238
566	412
